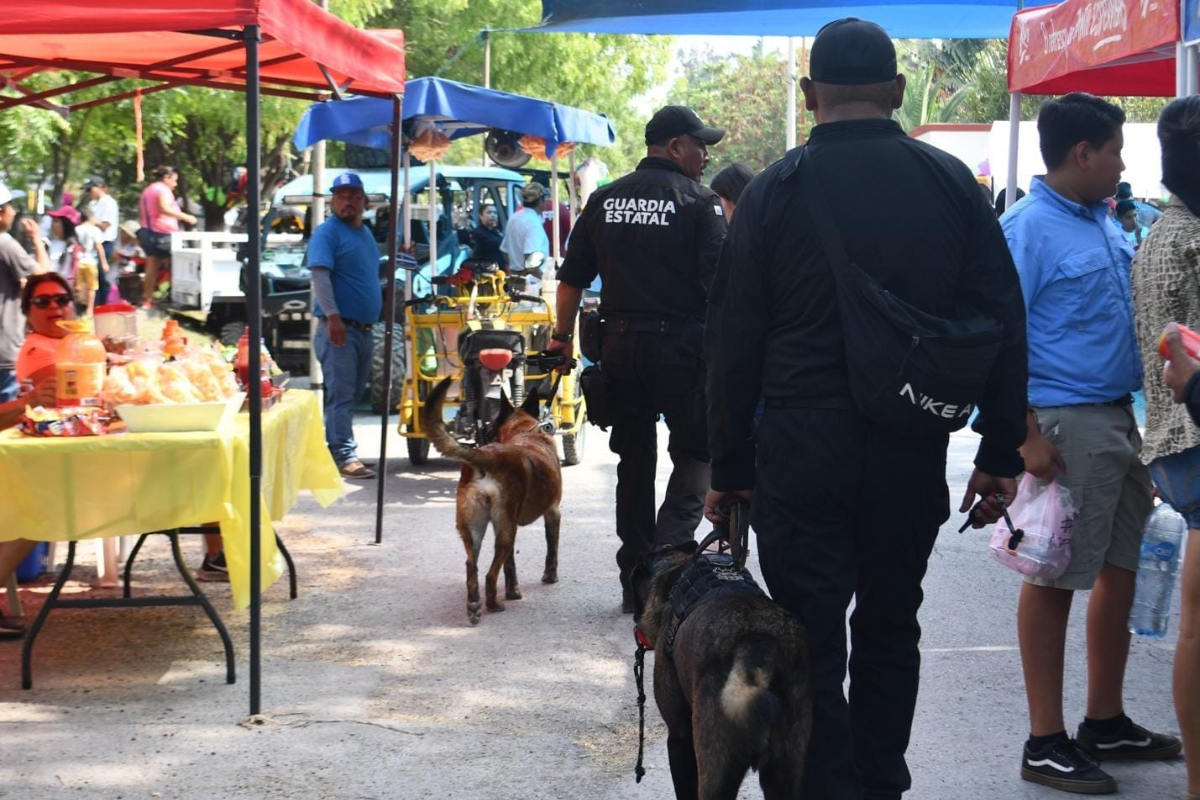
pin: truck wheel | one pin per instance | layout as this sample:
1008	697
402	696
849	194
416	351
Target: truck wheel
378	363
230	333
418	451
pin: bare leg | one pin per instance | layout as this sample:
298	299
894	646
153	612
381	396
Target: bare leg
212	544
1108	640
1042	631
1187	663
11	554
552	518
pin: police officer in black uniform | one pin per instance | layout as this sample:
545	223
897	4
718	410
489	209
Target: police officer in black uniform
654	237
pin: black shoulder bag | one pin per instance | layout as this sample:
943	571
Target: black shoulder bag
912	372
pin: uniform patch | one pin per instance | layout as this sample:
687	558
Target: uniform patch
639	211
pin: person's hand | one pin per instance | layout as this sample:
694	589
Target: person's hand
566	349
337	330
716	499
43	393
1180	367
1042	458
189	219
986	487
31	230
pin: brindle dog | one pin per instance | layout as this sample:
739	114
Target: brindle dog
735	693
509	483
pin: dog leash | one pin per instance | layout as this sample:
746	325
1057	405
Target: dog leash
639	672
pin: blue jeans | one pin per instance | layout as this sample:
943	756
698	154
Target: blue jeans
1177	478
346	371
8	385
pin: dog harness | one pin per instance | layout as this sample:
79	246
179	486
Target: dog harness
706	577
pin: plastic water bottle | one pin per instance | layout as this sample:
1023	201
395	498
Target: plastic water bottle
1162	542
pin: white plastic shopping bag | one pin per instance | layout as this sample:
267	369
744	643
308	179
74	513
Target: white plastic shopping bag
1043	518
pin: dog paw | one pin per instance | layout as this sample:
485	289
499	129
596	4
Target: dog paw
512	594
474	613
550	576
495	605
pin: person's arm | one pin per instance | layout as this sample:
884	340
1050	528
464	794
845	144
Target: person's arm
166	207
737	334
322	290
42	394
711	228
579	268
41	256
101	259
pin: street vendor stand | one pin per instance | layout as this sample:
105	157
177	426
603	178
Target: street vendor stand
1128	49
453	110
287	48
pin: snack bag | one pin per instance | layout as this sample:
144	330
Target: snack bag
1044	512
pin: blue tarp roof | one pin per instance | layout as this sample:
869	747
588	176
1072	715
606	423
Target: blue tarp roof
459	109
904	19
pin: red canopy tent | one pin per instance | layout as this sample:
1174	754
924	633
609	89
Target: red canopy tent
283	47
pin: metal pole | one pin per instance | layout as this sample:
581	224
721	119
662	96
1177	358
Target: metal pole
433	212
1193	69
1181	77
316	378
571	192
1014	135
804	67
254	311
389	321
487	77
554	224
791	93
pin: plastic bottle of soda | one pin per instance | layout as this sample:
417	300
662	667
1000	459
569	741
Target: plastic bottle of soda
1162	543
80	362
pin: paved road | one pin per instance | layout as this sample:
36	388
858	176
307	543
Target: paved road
377	687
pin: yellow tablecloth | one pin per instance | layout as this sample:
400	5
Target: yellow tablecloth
125	484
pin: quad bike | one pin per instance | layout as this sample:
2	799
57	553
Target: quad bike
489	337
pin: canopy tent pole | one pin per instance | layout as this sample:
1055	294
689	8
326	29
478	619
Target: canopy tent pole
1014	134
1181	65
487	76
316	378
1193	69
572	195
254	312
791	93
554	225
433	214
390	318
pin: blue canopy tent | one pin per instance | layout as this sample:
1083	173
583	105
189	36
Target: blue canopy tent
456	110
904	19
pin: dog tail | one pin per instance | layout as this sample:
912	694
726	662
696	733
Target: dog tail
443	442
748	699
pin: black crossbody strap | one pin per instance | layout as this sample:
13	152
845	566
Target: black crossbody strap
818	207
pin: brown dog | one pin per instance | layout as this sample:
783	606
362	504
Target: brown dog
733	686
509	483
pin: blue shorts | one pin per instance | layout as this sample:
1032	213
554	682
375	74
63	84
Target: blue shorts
1177	478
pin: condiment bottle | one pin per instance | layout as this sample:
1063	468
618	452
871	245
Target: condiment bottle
80	363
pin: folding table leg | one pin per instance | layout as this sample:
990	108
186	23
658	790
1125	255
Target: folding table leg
207	606
290	564
51	601
129	561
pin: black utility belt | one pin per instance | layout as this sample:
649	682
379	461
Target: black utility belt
354	324
662	327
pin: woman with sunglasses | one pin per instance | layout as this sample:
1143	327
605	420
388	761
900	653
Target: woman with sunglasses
47	298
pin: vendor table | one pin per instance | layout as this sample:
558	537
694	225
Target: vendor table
127	484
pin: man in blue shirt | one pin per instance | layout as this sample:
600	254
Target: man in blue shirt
344	260
1147	214
1074	268
525	239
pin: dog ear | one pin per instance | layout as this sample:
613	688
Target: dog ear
532	403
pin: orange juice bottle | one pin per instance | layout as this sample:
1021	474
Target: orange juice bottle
80	364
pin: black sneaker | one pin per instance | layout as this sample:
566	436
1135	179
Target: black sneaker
213	569
1064	766
1130	743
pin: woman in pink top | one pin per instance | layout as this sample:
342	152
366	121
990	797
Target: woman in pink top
160	216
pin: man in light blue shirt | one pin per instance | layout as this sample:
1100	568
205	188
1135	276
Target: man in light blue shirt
525	238
344	260
1074	268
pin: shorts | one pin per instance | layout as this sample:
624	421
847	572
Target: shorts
1109	486
154	243
1177	478
87	277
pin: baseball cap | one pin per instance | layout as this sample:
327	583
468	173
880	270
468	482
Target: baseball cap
532	192
6	196
852	52
95	180
1124	191
671	121
347	180
67	212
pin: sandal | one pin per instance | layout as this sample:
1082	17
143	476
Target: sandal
10	629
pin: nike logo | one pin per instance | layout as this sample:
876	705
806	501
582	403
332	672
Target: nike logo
1046	762
1122	743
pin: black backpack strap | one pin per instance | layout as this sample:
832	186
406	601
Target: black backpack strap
822	219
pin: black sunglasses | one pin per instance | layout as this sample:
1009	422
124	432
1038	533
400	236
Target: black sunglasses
44	300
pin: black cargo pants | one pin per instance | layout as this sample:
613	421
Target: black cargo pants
845	510
648	374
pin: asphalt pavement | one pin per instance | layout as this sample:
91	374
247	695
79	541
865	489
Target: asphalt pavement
375	685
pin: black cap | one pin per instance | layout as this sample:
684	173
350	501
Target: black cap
95	180
852	52
1124	191
672	121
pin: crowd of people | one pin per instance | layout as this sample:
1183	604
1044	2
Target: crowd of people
789	418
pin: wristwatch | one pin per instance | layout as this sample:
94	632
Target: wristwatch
564	338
